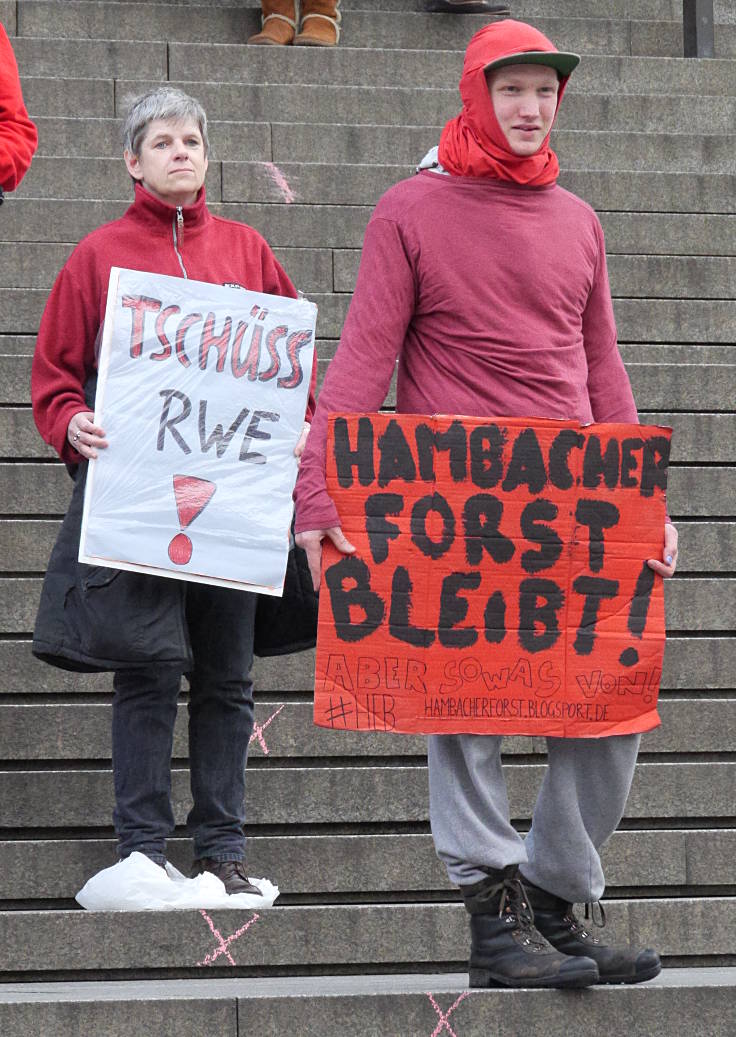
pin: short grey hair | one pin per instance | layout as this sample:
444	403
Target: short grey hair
165	102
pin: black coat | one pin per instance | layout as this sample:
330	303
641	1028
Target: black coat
93	618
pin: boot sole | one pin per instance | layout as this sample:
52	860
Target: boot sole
484	978
642	977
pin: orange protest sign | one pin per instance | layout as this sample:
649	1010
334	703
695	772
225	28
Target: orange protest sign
500	582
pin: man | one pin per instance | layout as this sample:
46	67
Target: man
489	283
155	629
18	136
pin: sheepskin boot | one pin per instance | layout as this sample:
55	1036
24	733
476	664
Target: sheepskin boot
278	23
556	920
506	949
320	24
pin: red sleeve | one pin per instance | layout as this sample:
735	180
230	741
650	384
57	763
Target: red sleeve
609	388
64	358
360	375
18	136
277	282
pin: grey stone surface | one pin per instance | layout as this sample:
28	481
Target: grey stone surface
329	864
25	544
693	386
674	320
342	226
78	731
429	106
35	264
80	98
701	664
70	1018
38	56
640	276
665	38
691	604
577	149
392	1005
84	178
8	16
15	377
355	794
701	491
78	941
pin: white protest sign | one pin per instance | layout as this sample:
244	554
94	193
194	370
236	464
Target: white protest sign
201	391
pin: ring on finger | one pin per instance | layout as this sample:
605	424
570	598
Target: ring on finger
75	437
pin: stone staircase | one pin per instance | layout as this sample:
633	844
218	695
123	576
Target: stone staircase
369	937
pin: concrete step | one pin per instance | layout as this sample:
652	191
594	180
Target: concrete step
698	438
702	663
42	489
524	9
365	1006
99	137
313	183
596	73
324	864
374	29
25	544
342	227
36	264
298	939
637	320
79	732
356	794
385	105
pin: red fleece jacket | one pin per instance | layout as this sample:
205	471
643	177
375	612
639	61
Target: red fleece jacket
212	249
18	136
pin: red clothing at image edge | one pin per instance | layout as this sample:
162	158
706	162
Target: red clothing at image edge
18	136
212	249
495	298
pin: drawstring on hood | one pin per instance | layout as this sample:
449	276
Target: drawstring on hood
473	143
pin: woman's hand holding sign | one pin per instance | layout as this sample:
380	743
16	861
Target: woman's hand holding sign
86	437
668	563
311	542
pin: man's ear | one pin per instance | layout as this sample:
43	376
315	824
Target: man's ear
133	165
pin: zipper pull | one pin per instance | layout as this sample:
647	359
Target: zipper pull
179	224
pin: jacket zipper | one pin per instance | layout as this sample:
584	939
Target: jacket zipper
177	230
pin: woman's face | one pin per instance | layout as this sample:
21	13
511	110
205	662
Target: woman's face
172	163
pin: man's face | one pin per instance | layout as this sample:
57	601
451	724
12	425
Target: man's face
524	98
172	163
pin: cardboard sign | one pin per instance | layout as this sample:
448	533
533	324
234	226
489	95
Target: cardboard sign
500	582
202	392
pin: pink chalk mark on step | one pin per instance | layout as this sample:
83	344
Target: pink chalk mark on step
224	942
258	730
280	182
444	1023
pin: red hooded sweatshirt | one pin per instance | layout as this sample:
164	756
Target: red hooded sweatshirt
211	249
18	136
492	294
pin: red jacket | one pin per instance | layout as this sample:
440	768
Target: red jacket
211	249
18	136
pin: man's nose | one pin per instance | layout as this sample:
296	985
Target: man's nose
529	106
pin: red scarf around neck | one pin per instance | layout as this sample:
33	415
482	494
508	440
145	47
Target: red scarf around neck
473	143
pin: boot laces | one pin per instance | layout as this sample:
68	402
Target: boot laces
577	927
515	910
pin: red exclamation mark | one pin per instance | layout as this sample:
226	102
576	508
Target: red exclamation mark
638	612
192	496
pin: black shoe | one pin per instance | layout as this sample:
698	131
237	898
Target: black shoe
465	7
230	873
506	949
556	920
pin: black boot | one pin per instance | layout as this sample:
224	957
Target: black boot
506	949
556	920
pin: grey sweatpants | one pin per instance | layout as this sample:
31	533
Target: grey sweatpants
579	805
